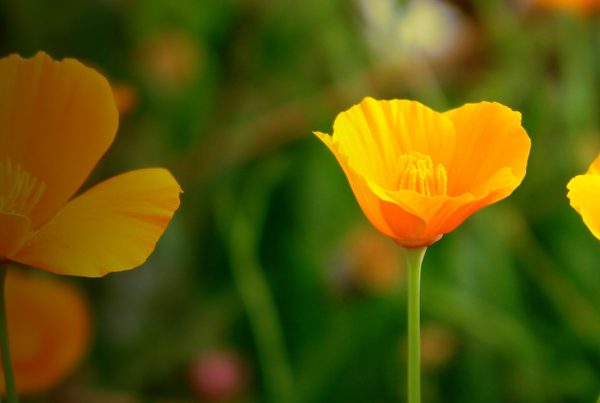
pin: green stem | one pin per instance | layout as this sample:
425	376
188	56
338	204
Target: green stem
414	259
262	313
9	377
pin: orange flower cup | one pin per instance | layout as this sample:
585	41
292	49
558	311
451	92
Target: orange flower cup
418	174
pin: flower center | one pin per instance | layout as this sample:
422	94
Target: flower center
417	173
19	190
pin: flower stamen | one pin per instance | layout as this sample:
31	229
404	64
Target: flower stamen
417	173
19	190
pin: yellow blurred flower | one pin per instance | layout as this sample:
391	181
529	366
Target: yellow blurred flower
584	195
49	330
57	119
418	174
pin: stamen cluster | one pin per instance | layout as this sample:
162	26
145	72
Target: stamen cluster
19	190
417	173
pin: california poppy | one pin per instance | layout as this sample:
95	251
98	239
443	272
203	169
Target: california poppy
57	119
417	174
49	326
584	195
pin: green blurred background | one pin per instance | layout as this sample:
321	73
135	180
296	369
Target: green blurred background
269	285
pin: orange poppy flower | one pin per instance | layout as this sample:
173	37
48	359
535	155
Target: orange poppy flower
57	119
418	174
584	195
49	330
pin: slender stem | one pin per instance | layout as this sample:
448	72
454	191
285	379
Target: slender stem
262	313
414	259
9	378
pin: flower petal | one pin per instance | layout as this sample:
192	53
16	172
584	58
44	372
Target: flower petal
489	137
56	120
584	195
112	227
49	329
440	214
373	134
387	217
411	218
595	166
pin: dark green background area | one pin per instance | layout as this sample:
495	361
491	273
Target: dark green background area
267	211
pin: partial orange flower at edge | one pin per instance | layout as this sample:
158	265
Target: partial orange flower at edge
49	329
584	196
417	174
57	119
576	6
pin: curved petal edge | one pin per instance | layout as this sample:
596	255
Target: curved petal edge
112	227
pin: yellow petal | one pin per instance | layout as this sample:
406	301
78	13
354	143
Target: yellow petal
584	195
56	120
112	227
387	217
373	135
489	137
49	328
595	166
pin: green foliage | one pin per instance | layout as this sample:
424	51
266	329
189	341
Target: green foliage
228	94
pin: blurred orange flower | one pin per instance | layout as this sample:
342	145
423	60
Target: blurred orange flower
439	345
170	60
126	97
418	174
579	6
374	263
584	195
49	330
57	119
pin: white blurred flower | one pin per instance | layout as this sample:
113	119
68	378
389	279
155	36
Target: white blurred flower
429	29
